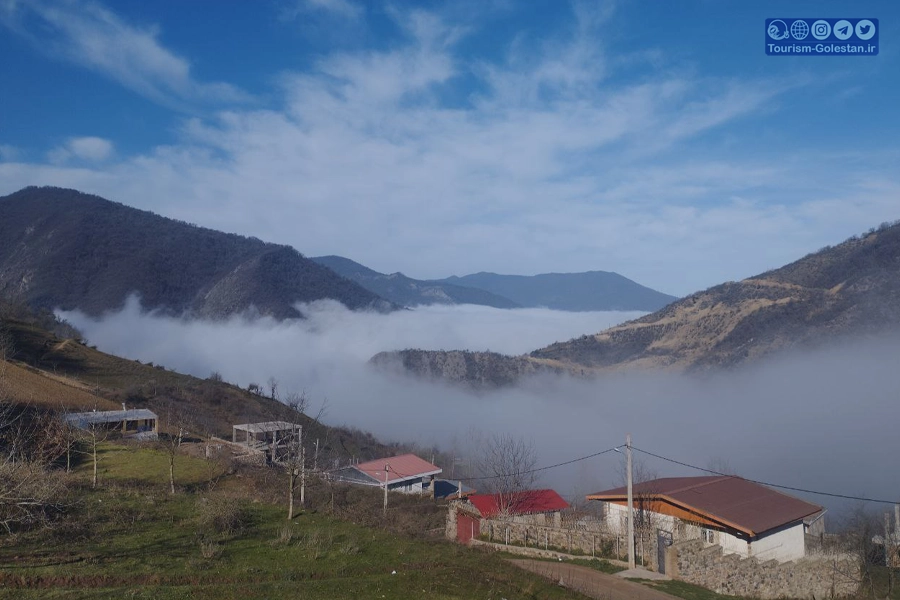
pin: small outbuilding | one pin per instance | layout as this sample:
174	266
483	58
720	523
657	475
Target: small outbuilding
138	423
263	435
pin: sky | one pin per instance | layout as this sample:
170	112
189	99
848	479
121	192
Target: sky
652	139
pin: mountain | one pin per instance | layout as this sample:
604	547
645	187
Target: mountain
846	291
61	248
405	291
592	290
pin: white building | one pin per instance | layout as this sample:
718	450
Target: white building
744	518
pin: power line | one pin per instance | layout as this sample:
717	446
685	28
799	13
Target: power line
568	462
774	485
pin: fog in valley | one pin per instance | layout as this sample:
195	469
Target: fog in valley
827	419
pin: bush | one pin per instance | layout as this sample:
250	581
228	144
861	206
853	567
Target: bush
223	515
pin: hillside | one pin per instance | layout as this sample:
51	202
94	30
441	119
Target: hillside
405	291
846	291
63	249
592	290
64	374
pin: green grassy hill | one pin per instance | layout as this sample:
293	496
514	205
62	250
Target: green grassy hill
226	537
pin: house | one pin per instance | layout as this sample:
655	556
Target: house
529	507
740	516
138	423
404	473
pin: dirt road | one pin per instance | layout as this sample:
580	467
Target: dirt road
591	582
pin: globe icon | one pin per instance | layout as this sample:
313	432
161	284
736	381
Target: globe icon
799	29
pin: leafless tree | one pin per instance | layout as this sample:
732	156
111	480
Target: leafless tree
7	344
294	451
29	493
273	388
178	423
857	540
507	463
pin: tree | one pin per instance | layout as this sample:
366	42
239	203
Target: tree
293	452
507	463
7	345
29	492
178	423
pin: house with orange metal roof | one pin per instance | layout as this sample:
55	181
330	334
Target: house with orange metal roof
404	473
743	517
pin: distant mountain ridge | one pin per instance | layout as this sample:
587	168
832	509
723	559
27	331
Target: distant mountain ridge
588	291
403	290
60	248
850	290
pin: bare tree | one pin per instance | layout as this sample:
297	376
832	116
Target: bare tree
29	492
273	388
857	539
507	463
178	423
294	452
7	345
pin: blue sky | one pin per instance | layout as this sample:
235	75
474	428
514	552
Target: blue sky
654	139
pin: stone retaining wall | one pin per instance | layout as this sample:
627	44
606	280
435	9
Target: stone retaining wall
817	578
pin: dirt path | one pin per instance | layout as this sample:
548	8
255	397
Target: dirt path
591	582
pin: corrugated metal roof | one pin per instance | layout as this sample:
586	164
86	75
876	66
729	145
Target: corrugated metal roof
110	416
732	501
518	503
404	466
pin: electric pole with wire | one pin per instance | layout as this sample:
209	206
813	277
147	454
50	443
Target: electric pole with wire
628	479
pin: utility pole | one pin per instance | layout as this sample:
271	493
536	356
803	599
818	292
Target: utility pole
630	501
386	469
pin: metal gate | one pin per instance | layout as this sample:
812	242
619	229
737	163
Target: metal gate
466	528
663	541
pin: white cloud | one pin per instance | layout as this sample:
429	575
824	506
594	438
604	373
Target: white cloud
343	8
88	34
786	421
91	149
556	161
9	152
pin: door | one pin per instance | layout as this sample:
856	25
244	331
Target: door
663	541
467	527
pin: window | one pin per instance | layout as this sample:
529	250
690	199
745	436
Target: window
708	535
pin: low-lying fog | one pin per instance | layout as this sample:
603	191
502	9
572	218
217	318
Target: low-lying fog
825	420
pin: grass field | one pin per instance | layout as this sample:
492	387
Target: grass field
130	539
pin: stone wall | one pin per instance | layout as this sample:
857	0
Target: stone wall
816	577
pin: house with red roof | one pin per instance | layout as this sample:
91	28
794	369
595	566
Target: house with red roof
532	507
404	473
743	517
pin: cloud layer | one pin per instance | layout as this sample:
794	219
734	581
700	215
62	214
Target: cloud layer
822	420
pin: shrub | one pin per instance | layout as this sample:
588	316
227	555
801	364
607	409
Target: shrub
223	515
